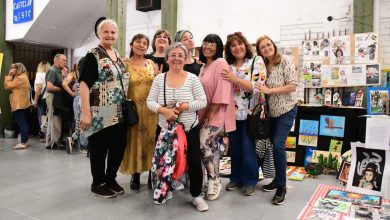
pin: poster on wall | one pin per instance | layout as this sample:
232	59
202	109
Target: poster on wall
377	98
358	75
372	74
312	73
324	48
340	49
290	156
366	50
335	146
369	170
332	125
308	132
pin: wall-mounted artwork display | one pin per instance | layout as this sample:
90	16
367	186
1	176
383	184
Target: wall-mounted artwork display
332	125
291	142
308	132
366	48
290	155
340	49
318	98
335	146
308	155
372	74
331	160
377	98
369	171
312	73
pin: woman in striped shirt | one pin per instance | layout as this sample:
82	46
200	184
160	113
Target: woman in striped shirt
177	95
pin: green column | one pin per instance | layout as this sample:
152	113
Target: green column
6	118
169	16
363	18
116	10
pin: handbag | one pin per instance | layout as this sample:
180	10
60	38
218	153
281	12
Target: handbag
257	122
129	109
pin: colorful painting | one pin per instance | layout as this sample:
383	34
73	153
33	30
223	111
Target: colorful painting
308	132
312	73
295	169
333	126
355	198
335	146
340	47
331	160
308	155
291	142
333	205
290	155
344	171
377	98
372	74
366	50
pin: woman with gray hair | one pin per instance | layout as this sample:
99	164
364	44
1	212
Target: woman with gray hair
176	96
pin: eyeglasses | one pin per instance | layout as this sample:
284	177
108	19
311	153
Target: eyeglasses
266	45
177	56
208	44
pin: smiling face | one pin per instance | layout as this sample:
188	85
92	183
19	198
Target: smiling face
176	59
162	40
267	48
108	35
209	50
369	176
188	41
238	50
139	46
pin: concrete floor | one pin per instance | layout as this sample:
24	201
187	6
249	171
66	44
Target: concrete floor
50	184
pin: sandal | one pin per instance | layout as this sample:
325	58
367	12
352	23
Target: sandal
20	146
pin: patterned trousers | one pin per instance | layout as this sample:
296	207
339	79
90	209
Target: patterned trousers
209	149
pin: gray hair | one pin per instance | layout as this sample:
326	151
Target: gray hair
58	55
104	22
174	46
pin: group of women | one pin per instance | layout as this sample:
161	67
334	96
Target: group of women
207	96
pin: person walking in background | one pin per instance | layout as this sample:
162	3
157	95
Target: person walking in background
40	97
280	88
219	112
245	70
103	82
161	41
183	90
17	83
141	136
186	38
54	85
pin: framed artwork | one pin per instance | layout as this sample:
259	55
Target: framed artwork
344	171
290	156
331	160
355	198
369	170
366	48
309	155
372	74
308	132
335	146
291	142
377	98
332	125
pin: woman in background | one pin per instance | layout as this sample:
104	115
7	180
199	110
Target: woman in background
238	53
141	136
218	115
279	87
186	38
161	41
17	83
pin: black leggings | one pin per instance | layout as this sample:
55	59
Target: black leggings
110	142
195	172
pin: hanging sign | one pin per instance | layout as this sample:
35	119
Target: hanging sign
23	11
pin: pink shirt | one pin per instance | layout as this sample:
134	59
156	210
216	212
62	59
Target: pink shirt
218	91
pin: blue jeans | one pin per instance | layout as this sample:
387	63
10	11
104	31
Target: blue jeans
21	121
244	168
280	128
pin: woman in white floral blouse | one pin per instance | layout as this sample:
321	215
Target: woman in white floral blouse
280	87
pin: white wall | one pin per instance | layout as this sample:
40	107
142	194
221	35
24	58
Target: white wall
384	32
18	31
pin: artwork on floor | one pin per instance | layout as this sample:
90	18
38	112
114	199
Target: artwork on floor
331	160
335	146
340	49
294	169
372	74
333	205
308	132
363	212
369	170
377	98
332	125
290	156
355	198
308	155
344	171
366	50
312	73
291	142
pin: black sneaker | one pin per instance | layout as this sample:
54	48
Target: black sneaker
248	190
103	191
48	147
279	196
135	182
116	188
270	187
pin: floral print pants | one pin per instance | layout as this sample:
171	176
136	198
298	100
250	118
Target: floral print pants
209	149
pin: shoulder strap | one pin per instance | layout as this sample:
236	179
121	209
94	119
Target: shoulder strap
165	80
252	67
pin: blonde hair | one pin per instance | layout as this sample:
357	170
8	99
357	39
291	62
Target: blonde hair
277	56
20	68
104	22
43	67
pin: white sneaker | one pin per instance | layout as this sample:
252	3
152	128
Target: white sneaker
199	203
214	188
170	196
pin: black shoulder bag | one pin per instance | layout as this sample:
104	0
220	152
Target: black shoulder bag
257	123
